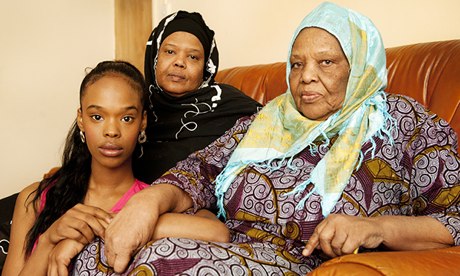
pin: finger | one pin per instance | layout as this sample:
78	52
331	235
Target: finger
120	262
62	270
325	239
338	241
350	246
96	212
51	267
77	230
96	218
312	243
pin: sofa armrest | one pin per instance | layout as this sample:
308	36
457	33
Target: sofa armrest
428	262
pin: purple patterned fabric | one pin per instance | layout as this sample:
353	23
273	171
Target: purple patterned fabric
419	175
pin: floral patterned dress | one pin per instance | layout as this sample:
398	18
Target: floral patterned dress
417	176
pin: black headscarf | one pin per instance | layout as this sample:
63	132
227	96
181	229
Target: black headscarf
178	126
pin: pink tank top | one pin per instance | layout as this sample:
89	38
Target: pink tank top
136	187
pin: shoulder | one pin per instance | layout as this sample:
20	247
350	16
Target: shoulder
27	195
140	184
240	128
414	120
403	104
234	93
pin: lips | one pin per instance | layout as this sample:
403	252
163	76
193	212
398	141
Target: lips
110	150
176	77
309	96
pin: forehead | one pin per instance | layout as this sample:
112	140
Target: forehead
111	89
316	39
183	39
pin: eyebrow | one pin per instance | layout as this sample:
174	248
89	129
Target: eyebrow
175	45
132	107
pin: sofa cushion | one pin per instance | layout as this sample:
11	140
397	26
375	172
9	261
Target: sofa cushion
7	207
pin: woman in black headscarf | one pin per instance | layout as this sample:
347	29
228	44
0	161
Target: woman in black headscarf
189	109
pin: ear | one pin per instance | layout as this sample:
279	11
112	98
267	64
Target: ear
144	121
80	120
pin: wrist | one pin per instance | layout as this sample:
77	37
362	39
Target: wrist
385	230
44	242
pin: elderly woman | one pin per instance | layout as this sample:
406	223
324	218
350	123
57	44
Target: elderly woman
332	165
189	109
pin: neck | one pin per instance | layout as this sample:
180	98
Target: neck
113	178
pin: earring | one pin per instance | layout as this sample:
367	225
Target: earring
142	138
82	137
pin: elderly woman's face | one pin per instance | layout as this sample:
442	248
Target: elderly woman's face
180	65
319	74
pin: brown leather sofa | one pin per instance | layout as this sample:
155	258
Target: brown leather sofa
427	72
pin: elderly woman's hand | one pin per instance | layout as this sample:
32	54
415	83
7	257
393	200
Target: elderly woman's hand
131	229
134	226
342	234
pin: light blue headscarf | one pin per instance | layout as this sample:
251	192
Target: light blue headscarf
280	132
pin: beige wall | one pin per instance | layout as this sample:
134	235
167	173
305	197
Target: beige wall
261	31
45	45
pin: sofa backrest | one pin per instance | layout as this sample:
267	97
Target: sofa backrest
428	72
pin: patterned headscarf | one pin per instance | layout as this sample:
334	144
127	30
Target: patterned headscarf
280	132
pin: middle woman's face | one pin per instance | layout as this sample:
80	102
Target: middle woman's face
319	74
180	64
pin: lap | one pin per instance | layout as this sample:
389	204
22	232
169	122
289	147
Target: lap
171	256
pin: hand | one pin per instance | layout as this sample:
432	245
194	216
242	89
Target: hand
342	234
61	256
131	229
80	223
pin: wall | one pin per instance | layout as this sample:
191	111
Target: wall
45	47
259	31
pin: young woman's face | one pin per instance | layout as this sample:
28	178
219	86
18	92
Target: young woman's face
319	74
180	64
111	117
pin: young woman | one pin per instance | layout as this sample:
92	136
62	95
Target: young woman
57	217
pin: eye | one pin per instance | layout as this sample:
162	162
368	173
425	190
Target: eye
326	62
193	57
169	52
96	117
127	119
296	65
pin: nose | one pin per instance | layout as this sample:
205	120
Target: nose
180	61
309	73
111	129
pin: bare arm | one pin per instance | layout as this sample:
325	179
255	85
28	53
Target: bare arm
132	228
23	219
342	234
204	225
80	223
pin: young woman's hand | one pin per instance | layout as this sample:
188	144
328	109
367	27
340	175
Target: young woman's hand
61	256
342	234
80	223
